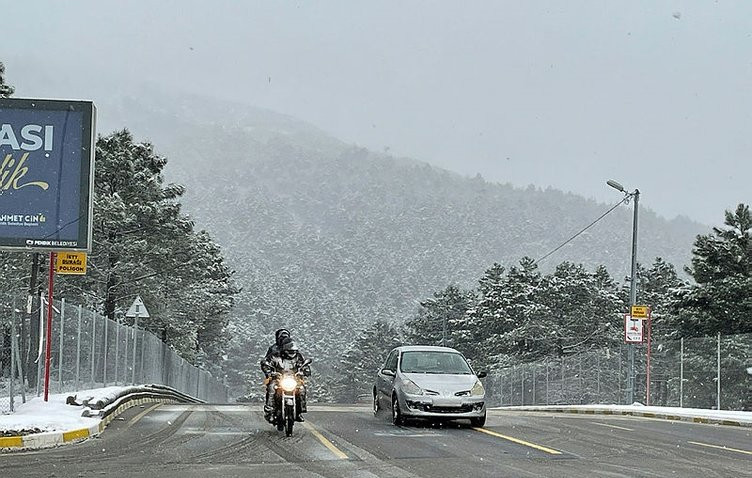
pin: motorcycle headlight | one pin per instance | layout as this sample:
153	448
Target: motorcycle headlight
478	390
288	383
409	387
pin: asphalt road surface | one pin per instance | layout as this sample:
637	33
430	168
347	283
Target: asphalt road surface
231	440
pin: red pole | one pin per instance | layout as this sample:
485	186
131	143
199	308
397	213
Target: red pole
647	385
48	347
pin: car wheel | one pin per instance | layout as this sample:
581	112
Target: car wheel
479	421
377	410
397	417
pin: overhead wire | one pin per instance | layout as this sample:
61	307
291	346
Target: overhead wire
626	198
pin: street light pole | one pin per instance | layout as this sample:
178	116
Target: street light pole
632	284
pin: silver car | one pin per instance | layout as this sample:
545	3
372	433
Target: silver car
429	382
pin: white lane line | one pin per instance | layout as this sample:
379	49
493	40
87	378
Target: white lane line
209	432
612	426
720	447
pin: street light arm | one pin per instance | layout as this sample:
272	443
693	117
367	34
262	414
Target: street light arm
616	185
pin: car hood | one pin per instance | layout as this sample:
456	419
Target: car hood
443	384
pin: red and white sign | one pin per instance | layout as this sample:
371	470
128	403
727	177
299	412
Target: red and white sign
633	331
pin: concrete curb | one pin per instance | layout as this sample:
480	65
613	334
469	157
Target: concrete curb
50	439
635	413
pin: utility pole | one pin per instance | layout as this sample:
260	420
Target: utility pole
633	297
632	284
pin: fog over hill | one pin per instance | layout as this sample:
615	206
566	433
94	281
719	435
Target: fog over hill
327	237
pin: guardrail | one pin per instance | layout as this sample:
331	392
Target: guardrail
91	351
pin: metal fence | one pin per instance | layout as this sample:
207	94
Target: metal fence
707	372
90	351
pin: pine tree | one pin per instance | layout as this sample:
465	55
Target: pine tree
721	301
355	373
524	315
444	311
5	90
658	286
486	318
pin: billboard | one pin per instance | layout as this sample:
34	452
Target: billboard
46	174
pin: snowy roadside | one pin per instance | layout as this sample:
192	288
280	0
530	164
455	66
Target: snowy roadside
697	415
36	415
40	424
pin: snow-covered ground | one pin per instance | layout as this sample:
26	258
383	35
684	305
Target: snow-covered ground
37	416
744	417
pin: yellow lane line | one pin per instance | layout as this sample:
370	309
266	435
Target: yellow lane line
720	447
141	415
337	452
518	441
612	426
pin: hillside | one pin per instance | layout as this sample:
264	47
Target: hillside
327	237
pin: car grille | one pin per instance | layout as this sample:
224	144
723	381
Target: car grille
462	409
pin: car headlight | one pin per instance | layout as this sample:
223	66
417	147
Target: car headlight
288	383
478	390
409	387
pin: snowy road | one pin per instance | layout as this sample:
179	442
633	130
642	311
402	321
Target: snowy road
230	440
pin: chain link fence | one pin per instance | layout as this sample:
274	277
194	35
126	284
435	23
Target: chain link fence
89	351
683	373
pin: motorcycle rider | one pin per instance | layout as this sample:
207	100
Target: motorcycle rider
274	350
283	353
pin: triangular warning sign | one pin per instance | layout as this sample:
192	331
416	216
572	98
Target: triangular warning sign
137	309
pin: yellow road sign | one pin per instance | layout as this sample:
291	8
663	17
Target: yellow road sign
70	263
640	311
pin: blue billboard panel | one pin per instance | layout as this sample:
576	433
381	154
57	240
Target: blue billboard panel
46	174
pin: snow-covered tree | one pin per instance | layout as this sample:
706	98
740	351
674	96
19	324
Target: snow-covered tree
721	301
5	89
357	368
439	316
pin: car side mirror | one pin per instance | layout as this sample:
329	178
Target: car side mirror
386	371
482	374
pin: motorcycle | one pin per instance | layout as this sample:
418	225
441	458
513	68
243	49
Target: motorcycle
288	383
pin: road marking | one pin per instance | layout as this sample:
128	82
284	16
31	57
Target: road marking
337	452
720	447
518	441
612	426
141	415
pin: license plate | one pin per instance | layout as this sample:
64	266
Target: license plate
444	402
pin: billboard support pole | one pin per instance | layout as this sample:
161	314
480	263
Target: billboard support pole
48	348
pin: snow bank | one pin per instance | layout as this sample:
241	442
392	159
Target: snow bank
713	416
37	416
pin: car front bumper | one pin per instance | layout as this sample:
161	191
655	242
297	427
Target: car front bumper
422	406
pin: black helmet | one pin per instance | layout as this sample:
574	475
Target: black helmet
280	334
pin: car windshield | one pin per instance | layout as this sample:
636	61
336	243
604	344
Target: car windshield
434	362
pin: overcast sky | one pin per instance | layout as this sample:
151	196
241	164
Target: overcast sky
654	94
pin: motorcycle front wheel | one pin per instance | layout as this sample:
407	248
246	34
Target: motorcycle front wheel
289	420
